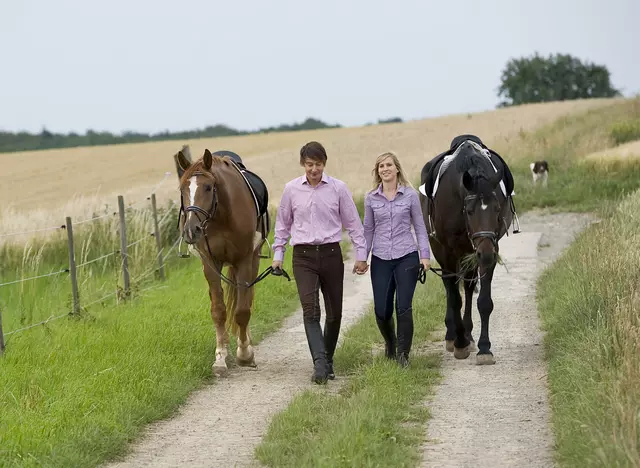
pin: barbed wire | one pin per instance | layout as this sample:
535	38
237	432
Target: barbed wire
52	228
66	270
50	319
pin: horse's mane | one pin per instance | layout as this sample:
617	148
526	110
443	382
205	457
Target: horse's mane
471	159
198	166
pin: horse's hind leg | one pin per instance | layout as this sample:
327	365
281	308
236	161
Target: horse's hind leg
244	353
485	307
454	306
467	319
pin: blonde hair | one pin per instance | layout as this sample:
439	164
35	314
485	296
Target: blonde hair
402	177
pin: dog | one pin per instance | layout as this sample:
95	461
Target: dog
539	170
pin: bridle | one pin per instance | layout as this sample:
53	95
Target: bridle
204	217
473	236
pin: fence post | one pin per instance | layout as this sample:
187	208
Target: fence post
156	234
123	246
1	335
72	268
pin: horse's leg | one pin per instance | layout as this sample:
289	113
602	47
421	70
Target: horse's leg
449	322
485	307
242	315
454	306
467	319
219	316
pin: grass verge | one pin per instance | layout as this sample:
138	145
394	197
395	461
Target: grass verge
377	416
75	392
590	305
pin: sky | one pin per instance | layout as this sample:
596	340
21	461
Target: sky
156	65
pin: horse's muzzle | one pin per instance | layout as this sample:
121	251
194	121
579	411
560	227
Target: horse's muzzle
191	235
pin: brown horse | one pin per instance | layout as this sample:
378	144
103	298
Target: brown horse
225	224
470	212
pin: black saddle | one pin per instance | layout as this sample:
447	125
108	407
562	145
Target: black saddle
430	170
256	184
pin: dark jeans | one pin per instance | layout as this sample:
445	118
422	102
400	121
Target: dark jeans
394	277
319	267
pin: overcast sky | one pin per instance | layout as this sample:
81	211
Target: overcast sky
154	65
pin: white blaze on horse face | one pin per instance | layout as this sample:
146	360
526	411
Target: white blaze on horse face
193	186
483	206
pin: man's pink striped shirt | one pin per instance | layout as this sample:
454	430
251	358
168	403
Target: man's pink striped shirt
317	215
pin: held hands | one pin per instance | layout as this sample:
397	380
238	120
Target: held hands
360	267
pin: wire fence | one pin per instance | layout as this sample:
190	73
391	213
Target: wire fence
155	266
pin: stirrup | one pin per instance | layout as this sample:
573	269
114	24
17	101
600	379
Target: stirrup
260	254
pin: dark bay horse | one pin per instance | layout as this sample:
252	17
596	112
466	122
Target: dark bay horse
465	219
223	222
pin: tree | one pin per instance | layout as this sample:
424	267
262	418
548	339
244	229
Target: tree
559	77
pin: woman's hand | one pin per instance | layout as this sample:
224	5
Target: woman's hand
425	263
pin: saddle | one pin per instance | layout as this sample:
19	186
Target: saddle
259	192
431	170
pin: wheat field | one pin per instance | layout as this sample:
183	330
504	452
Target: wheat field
40	188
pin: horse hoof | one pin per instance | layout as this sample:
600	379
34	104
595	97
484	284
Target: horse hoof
448	344
485	359
220	370
246	362
461	353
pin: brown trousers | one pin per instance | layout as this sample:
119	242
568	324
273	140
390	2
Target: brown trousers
319	267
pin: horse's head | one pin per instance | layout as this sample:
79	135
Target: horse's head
198	196
482	205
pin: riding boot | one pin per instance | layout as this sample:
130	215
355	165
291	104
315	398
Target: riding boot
388	332
405	336
331	333
316	346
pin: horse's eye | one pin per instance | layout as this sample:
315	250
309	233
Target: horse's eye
207	188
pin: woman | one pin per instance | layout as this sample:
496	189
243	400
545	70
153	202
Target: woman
391	208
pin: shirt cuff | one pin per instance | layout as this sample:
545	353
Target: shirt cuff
278	255
424	253
361	255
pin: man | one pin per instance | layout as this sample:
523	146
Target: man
314	209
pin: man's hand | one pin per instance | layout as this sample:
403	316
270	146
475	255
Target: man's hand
360	267
276	264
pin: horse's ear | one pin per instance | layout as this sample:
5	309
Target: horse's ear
207	159
467	181
182	160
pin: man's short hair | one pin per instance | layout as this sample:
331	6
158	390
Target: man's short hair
314	151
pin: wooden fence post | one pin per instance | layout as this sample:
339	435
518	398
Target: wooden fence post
156	234
1	335
72	268
123	246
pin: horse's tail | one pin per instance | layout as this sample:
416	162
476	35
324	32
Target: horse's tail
231	300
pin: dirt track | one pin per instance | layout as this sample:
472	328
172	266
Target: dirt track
498	416
482	415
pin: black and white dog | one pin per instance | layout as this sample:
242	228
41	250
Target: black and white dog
540	170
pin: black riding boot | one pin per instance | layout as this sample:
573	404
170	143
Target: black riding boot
316	346
388	332
405	336
331	333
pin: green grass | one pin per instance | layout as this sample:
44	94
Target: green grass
589	302
377	417
76	391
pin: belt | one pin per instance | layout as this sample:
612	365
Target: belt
317	247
